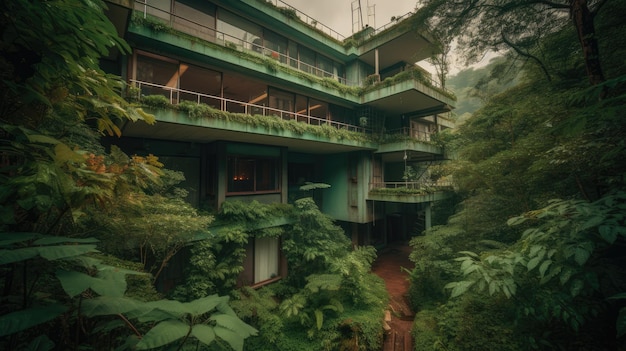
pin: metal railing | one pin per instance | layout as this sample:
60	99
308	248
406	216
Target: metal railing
176	95
412	185
224	39
412	133
392	23
311	21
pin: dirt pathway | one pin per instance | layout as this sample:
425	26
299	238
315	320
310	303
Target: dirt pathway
388	266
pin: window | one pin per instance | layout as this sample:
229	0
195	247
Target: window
160	72
157	8
251	174
307	59
325	66
276	44
237	30
318	109
197	19
195	79
266	258
283	101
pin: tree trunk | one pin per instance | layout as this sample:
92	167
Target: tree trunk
583	22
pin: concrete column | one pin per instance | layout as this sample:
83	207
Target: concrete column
376	68
427	216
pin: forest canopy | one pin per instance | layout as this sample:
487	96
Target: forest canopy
533	257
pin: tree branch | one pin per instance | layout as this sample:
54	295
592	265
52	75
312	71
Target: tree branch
527	55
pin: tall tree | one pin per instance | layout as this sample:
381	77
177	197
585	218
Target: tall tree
518	25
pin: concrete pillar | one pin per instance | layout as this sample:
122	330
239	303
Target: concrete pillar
427	216
376	68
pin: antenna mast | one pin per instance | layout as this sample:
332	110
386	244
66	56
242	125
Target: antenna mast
357	16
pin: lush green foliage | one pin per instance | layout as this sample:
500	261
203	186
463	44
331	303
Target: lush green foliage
60	191
532	259
269	122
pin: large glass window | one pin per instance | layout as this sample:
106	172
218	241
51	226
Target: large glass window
159	72
307	59
293	54
237	30
197	19
325	65
206	82
156	8
276	45
252	174
318	109
342	114
283	101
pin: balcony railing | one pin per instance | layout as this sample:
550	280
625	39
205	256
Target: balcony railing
410	185
176	95
410	133
224	39
310	20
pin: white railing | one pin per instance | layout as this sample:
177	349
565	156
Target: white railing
212	35
176	95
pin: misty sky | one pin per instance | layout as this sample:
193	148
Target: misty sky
337	14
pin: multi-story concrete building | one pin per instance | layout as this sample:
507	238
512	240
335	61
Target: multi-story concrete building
257	98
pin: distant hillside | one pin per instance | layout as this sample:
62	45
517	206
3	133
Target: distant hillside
473	86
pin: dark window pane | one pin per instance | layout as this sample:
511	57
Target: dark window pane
266	175
161	74
240	174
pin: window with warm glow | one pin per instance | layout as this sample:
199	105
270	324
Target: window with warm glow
252	174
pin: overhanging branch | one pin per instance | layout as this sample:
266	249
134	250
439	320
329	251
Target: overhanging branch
522	53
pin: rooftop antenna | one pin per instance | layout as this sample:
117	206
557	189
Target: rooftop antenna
371	13
357	16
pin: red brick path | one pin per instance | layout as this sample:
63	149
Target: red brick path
388	266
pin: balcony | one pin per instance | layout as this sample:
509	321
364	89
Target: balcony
410	192
162	20
197	117
175	96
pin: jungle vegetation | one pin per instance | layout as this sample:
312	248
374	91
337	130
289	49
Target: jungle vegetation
86	232
533	256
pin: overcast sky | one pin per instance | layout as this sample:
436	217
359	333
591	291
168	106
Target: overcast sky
337	14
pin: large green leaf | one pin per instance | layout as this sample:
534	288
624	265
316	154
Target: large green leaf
49	240
204	333
107	283
205	304
73	282
21	320
107	305
163	333
459	288
16	237
65	251
233	339
235	324
172	307
10	256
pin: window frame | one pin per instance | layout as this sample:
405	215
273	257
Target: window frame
230	191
